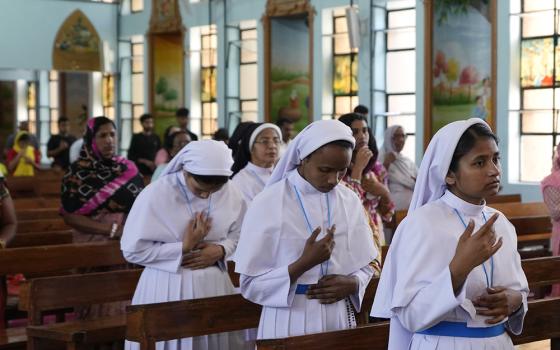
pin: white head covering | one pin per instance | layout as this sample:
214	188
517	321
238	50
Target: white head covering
206	157
260	128
430	183
388	145
313	137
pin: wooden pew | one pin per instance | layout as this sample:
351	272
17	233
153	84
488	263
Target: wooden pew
541	322
149	323
45	294
37	214
33	186
42	225
54	259
35	203
34	239
504	198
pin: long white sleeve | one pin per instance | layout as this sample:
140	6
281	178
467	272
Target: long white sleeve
364	275
422	312
269	289
157	255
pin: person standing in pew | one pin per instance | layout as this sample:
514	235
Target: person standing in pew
255	159
550	187
182	228
8	222
305	244
100	187
452	279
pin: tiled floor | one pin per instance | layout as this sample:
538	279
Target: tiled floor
540	345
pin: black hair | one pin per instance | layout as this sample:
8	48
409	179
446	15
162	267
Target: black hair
62	119
281	121
182	112
145	117
168	141
221	134
212	180
24	137
467	142
235	139
243	153
361	109
348	119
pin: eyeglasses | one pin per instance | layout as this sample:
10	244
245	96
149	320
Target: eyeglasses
268	142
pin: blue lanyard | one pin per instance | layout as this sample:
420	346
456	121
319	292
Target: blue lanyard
489	281
310	228
189	201
257	177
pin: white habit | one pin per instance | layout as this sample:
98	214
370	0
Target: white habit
153	237
251	180
415	290
274	233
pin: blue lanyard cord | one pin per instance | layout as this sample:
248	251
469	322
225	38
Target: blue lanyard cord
310	228
489	281
189	201
257	177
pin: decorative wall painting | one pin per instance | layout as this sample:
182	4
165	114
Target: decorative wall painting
77	46
460	62
288	61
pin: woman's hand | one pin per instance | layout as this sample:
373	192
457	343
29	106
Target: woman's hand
332	288
361	160
203	256
314	253
371	185
472	250
498	302
197	229
389	159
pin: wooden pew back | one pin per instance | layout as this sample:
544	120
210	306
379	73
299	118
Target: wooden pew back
41	225
34	239
51	293
62	257
504	198
35	203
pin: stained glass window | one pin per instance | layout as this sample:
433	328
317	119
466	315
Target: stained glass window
208	79
539	86
53	101
108	96
32	106
345	67
137	79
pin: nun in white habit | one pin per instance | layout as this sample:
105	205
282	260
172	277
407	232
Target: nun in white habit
305	244
255	158
452	279
401	170
182	228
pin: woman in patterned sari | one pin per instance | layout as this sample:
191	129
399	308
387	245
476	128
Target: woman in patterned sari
100	187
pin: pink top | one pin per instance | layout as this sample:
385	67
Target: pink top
162	157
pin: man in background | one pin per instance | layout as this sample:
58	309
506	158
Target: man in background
58	146
144	146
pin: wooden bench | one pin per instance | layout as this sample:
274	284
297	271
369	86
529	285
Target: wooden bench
504	198
35	203
34	239
46	294
54	259
34	186
541	322
37	214
42	225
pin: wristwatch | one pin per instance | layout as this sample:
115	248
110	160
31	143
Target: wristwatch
114	228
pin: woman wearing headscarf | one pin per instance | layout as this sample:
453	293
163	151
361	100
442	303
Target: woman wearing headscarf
23	158
182	228
550	187
367	177
163	156
453	249
402	171
100	187
255	159
174	143
305	244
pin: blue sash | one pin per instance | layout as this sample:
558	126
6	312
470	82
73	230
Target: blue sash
460	329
